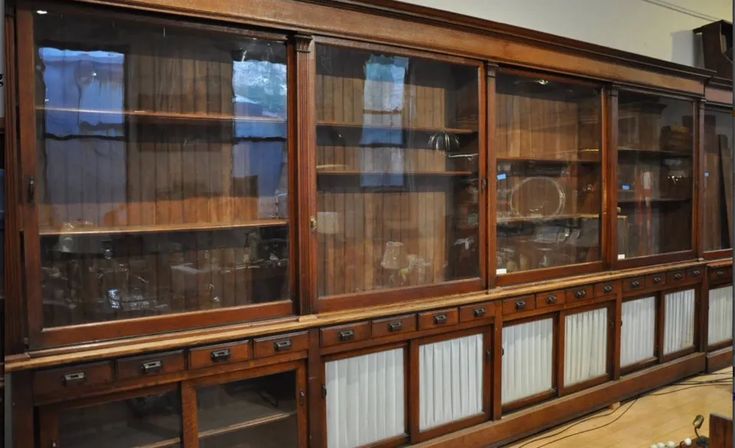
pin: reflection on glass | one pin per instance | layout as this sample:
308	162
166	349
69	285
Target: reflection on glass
151	420
717	224
260	412
548	141
145	131
397	166
655	146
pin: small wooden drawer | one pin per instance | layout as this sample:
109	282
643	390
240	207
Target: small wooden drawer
212	355
477	311
550	298
655	280
344	333
720	274
695	273
579	293
150	365
282	343
675	277
72	377
439	318
393	325
633	284
518	304
607	288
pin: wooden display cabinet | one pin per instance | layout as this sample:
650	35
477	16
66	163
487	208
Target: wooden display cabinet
654	180
400	211
156	174
548	155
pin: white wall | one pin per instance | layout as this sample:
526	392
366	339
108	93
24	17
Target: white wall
656	28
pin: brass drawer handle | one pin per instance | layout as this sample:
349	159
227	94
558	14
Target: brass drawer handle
720	273
551	299
395	326
151	367
521	304
220	355
580	294
346	335
635	284
74	378
657	279
696	273
607	288
678	276
440	319
280	346
479	312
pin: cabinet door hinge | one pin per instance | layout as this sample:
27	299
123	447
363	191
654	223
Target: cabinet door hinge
324	391
302	397
489	355
31	189
483	184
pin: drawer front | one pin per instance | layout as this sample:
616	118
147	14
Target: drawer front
720	274
551	298
284	343
212	355
150	365
676	277
579	293
633	284
70	378
344	333
440	318
655	280
518	304
695	273
393	325
612	287
477	312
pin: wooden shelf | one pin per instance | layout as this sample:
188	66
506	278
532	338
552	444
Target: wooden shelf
653	152
653	200
163	444
562	217
388	173
246	424
336	124
167	116
545	160
163	228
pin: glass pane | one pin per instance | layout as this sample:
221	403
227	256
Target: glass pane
259	412
397	166
548	142
161	155
655	146
717	231
152	420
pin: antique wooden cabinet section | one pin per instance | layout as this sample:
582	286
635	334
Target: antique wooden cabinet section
347	223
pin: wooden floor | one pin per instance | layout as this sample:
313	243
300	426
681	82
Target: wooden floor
662	415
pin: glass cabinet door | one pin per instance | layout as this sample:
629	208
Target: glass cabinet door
716	221
150	420
654	174
397	171
549	184
161	167
252	413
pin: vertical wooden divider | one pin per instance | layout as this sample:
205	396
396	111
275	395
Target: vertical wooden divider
497	366
610	158
697	175
190	417
490	180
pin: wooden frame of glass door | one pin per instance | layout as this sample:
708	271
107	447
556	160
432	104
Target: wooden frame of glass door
44	337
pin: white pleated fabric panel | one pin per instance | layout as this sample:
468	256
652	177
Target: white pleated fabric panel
527	359
679	321
450	380
585	346
365	399
720	315
638	336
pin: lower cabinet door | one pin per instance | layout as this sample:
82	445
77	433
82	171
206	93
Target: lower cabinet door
586	346
148	418
678	321
366	398
719	326
528	360
638	333
240	410
451	378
